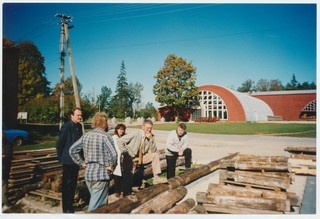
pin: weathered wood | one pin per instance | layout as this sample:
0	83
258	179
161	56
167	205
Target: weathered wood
198	209
303	157
302	167
270	179
304	170
127	204
162	202
250	157
218	189
294	199
303	150
256	163
196	173
248	202
213	208
255	166
183	207
229	182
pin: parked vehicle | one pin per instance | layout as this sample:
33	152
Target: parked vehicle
16	137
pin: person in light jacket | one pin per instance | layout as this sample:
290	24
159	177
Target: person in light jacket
139	148
177	146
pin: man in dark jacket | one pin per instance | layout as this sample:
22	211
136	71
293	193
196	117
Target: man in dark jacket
70	132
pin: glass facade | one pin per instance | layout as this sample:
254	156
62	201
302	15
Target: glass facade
211	105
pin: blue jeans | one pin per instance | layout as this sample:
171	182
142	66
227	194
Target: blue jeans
99	194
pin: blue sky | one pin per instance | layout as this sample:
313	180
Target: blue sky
227	43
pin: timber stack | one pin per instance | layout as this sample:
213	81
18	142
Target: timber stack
302	160
251	185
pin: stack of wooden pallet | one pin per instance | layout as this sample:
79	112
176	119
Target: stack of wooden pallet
250	185
28	169
302	160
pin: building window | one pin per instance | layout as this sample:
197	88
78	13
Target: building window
309	111
212	105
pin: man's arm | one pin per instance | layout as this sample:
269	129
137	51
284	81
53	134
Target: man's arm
74	152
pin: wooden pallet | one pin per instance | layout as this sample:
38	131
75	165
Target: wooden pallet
46	195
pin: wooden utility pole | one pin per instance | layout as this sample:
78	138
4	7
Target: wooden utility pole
64	38
73	74
62	55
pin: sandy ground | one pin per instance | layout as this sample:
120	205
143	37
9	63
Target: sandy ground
210	147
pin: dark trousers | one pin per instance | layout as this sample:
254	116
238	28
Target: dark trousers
127	174
118	184
172	161
69	185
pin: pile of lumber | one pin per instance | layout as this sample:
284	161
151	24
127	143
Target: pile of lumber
250	185
164	198
28	169
302	160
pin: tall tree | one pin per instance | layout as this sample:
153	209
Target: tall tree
68	87
104	99
121	105
275	85
175	83
293	85
135	90
247	86
32	81
263	85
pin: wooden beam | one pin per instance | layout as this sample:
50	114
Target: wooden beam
162	202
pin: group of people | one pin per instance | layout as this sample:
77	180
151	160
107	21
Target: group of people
117	157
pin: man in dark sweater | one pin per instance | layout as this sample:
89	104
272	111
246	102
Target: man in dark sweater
69	133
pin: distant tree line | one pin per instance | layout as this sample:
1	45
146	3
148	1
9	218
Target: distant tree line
275	85
174	87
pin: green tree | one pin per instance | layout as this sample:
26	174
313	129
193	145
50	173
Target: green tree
68	87
104	99
32	81
263	85
247	86
293	85
135	90
121	102
148	112
275	85
175	83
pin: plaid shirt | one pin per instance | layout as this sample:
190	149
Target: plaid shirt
98	150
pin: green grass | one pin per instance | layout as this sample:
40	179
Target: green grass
247	128
42	141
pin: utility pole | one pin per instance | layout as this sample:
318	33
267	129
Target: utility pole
64	37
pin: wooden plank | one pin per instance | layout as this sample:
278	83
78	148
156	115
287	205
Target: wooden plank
256	166
303	170
257	158
301	150
268	179
44	194
304	156
250	185
213	208
248	202
218	189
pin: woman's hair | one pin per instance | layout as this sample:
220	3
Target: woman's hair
100	120
119	126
